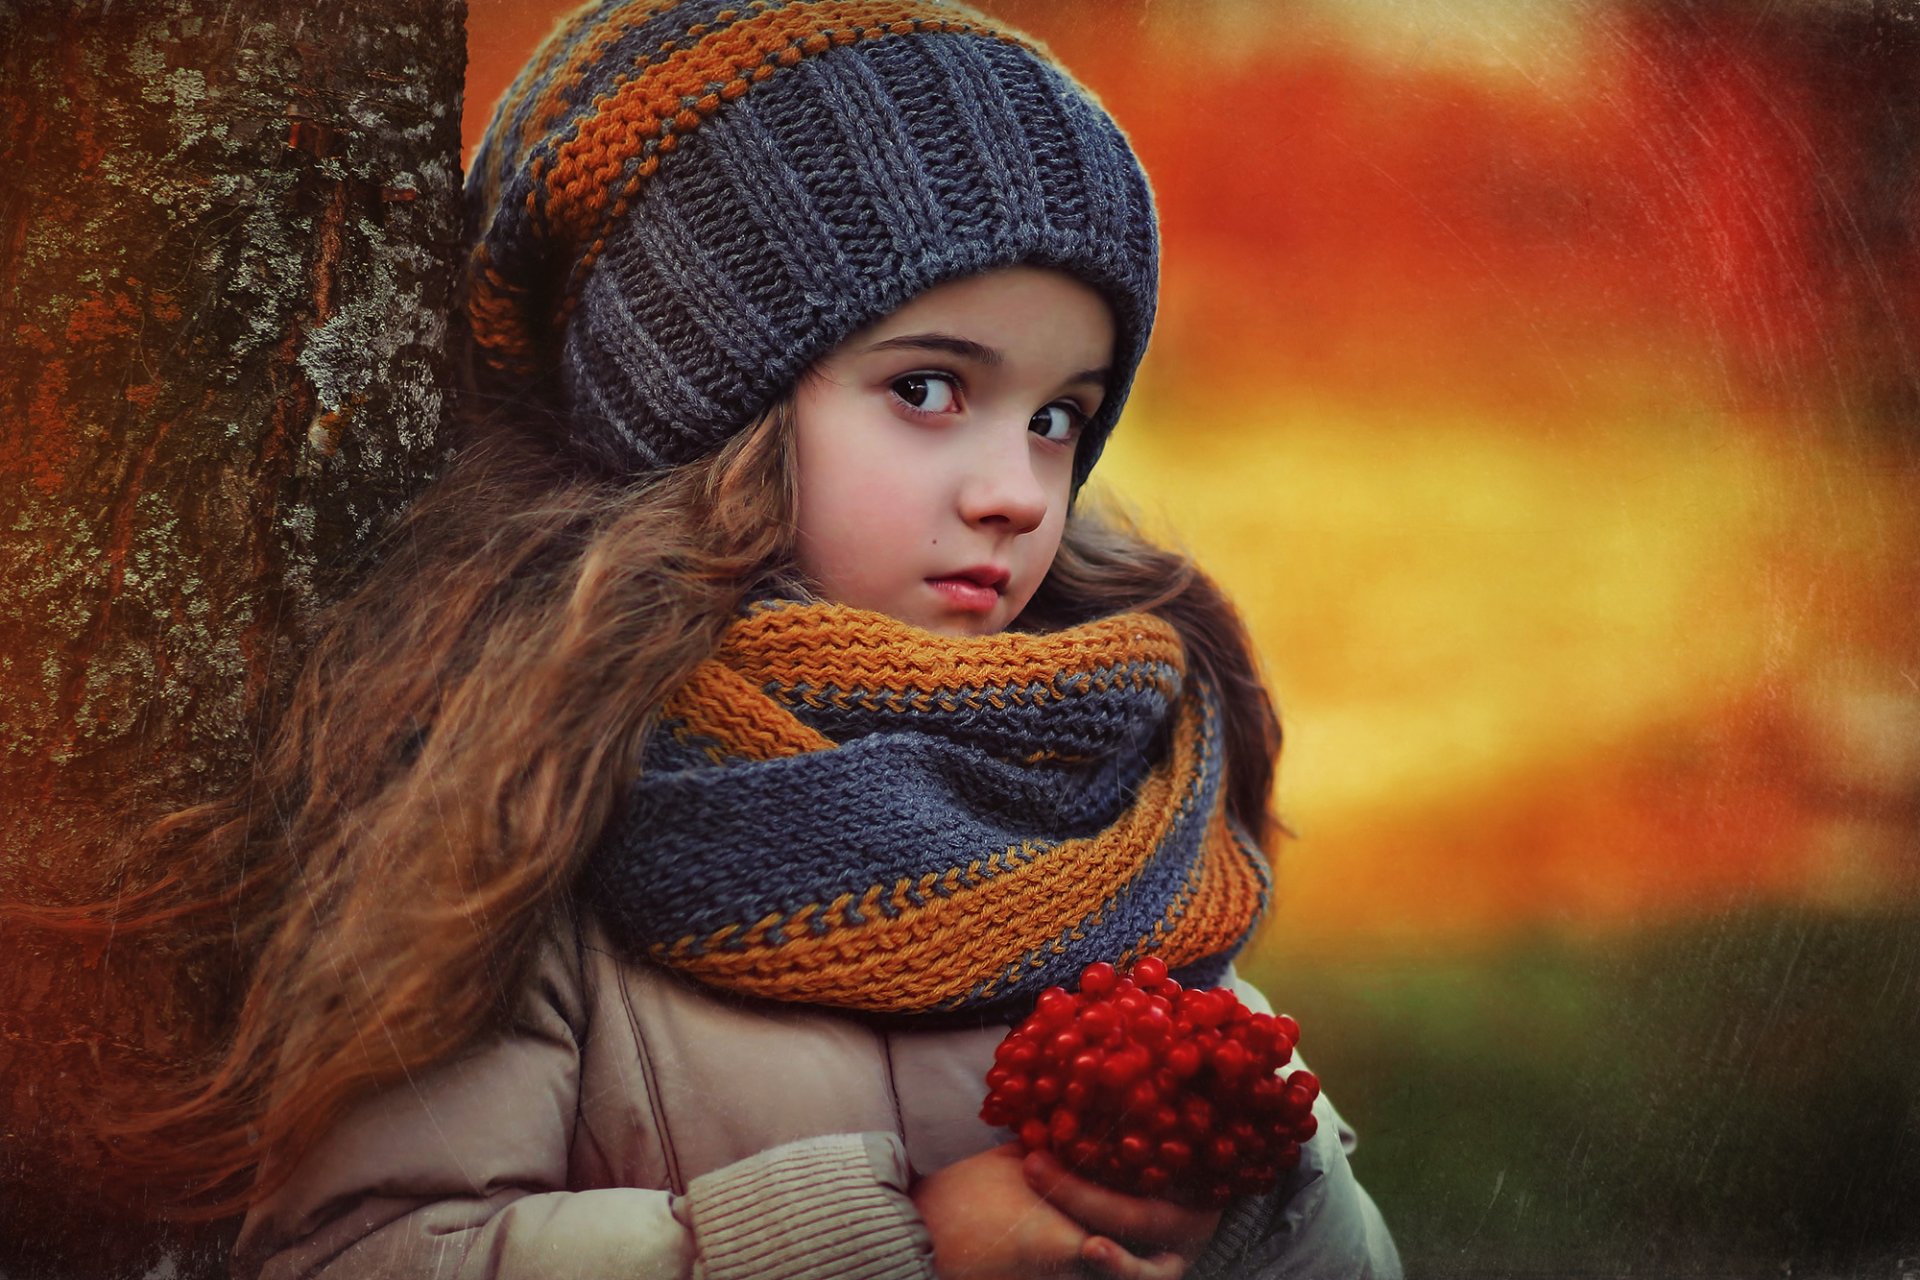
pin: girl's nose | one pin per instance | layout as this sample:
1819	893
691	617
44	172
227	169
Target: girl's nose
1002	487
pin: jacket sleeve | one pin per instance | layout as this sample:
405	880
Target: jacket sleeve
1319	1223
463	1173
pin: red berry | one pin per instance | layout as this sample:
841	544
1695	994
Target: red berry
1098	980
1055	1007
1100	1022
1142	1098
1134	1082
1232	1061
1123	1068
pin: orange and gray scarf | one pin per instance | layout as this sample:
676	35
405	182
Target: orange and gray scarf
840	809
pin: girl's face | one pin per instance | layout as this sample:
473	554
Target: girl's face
935	448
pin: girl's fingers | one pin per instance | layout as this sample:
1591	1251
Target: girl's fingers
1107	1258
1159	1223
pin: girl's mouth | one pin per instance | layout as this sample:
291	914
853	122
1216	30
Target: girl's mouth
976	590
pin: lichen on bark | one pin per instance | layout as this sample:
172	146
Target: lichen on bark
227	233
225	278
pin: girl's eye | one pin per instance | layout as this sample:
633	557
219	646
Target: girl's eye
1059	423
927	392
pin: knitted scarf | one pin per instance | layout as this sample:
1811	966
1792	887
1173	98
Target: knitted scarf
840	809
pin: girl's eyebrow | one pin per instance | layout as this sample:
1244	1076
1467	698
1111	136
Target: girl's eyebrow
979	352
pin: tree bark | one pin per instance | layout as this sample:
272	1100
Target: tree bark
227	236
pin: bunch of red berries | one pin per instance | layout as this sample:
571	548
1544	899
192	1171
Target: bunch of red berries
1154	1090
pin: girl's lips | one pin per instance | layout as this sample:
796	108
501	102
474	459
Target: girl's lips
965	593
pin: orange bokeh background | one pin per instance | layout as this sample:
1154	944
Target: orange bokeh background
1539	378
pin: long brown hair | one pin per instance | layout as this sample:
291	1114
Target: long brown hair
453	744
453	747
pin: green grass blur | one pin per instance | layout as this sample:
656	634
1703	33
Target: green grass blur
1735	1096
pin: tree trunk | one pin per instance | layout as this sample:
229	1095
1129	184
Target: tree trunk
227	232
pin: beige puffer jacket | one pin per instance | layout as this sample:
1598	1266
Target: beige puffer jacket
632	1125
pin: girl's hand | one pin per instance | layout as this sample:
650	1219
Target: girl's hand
1159	1226
989	1222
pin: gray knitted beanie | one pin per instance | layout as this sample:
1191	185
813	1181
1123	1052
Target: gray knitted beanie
679	207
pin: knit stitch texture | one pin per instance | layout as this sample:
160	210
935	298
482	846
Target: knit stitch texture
679	207
840	809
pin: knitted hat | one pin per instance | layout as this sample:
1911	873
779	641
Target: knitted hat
680	206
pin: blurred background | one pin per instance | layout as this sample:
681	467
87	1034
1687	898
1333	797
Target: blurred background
1543	379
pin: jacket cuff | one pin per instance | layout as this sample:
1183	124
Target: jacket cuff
832	1208
1245	1224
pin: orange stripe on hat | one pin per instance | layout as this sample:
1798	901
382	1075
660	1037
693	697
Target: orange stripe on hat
584	54
496	314
563	37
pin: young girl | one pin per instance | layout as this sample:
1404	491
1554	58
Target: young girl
748	727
